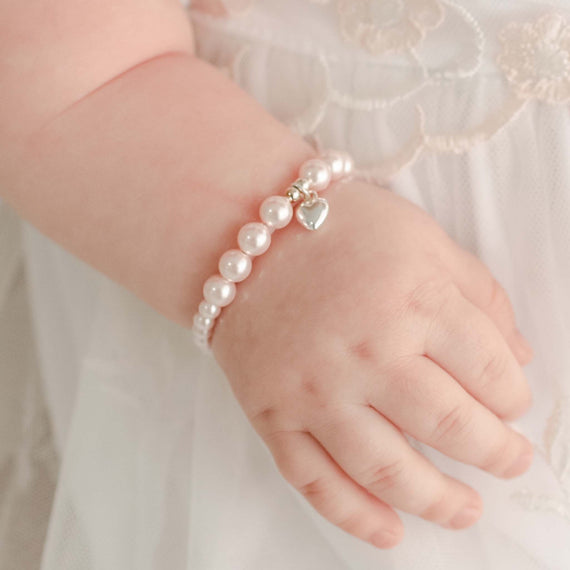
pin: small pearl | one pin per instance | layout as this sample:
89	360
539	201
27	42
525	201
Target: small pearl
200	337
317	172
219	291
201	341
235	265
201	333
202	323
336	161
276	212
254	238
208	310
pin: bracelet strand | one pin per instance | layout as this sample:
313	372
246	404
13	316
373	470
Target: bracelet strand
254	238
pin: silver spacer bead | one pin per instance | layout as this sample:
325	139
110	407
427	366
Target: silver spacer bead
299	190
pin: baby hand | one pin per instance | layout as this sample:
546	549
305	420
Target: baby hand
374	326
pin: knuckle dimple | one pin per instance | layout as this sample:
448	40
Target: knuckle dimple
310	386
316	391
362	350
427	299
454	424
264	418
382	478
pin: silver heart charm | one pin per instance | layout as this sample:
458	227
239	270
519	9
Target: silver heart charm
313	213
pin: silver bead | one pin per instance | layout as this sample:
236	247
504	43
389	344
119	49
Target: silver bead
293	194
299	190
276	212
208	310
254	238
235	265
219	291
317	172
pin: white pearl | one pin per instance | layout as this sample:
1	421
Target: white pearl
276	212
202	323
235	265
208	310
348	164
219	291
317	172
254	238
336	161
201	341
201	333
200	338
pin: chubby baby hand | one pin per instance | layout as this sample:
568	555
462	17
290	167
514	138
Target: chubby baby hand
375	326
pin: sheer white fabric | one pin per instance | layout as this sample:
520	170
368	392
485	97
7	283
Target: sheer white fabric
462	107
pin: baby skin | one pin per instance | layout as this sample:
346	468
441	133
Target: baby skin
121	145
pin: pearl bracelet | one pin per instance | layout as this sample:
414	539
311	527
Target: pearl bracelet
254	238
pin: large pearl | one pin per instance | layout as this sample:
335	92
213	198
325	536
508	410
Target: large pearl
219	291
317	172
235	265
276	212
254	238
339	162
208	310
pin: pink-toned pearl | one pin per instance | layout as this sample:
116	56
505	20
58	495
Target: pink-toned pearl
201	340
348	164
208	310
276	212
235	265
254	238
219	291
202	323
339	162
317	172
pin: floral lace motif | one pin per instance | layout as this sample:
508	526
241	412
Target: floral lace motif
534	58
393	25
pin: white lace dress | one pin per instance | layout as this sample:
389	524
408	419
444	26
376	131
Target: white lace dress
460	106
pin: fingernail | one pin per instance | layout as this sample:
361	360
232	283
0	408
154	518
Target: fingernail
520	464
385	539
465	517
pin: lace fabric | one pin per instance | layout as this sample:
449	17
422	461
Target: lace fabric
528	60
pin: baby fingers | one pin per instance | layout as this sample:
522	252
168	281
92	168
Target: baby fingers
378	457
309	468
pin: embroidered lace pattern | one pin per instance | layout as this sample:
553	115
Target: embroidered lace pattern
533	57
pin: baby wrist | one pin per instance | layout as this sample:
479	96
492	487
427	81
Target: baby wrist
254	238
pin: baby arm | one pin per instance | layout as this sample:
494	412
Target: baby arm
147	168
144	161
